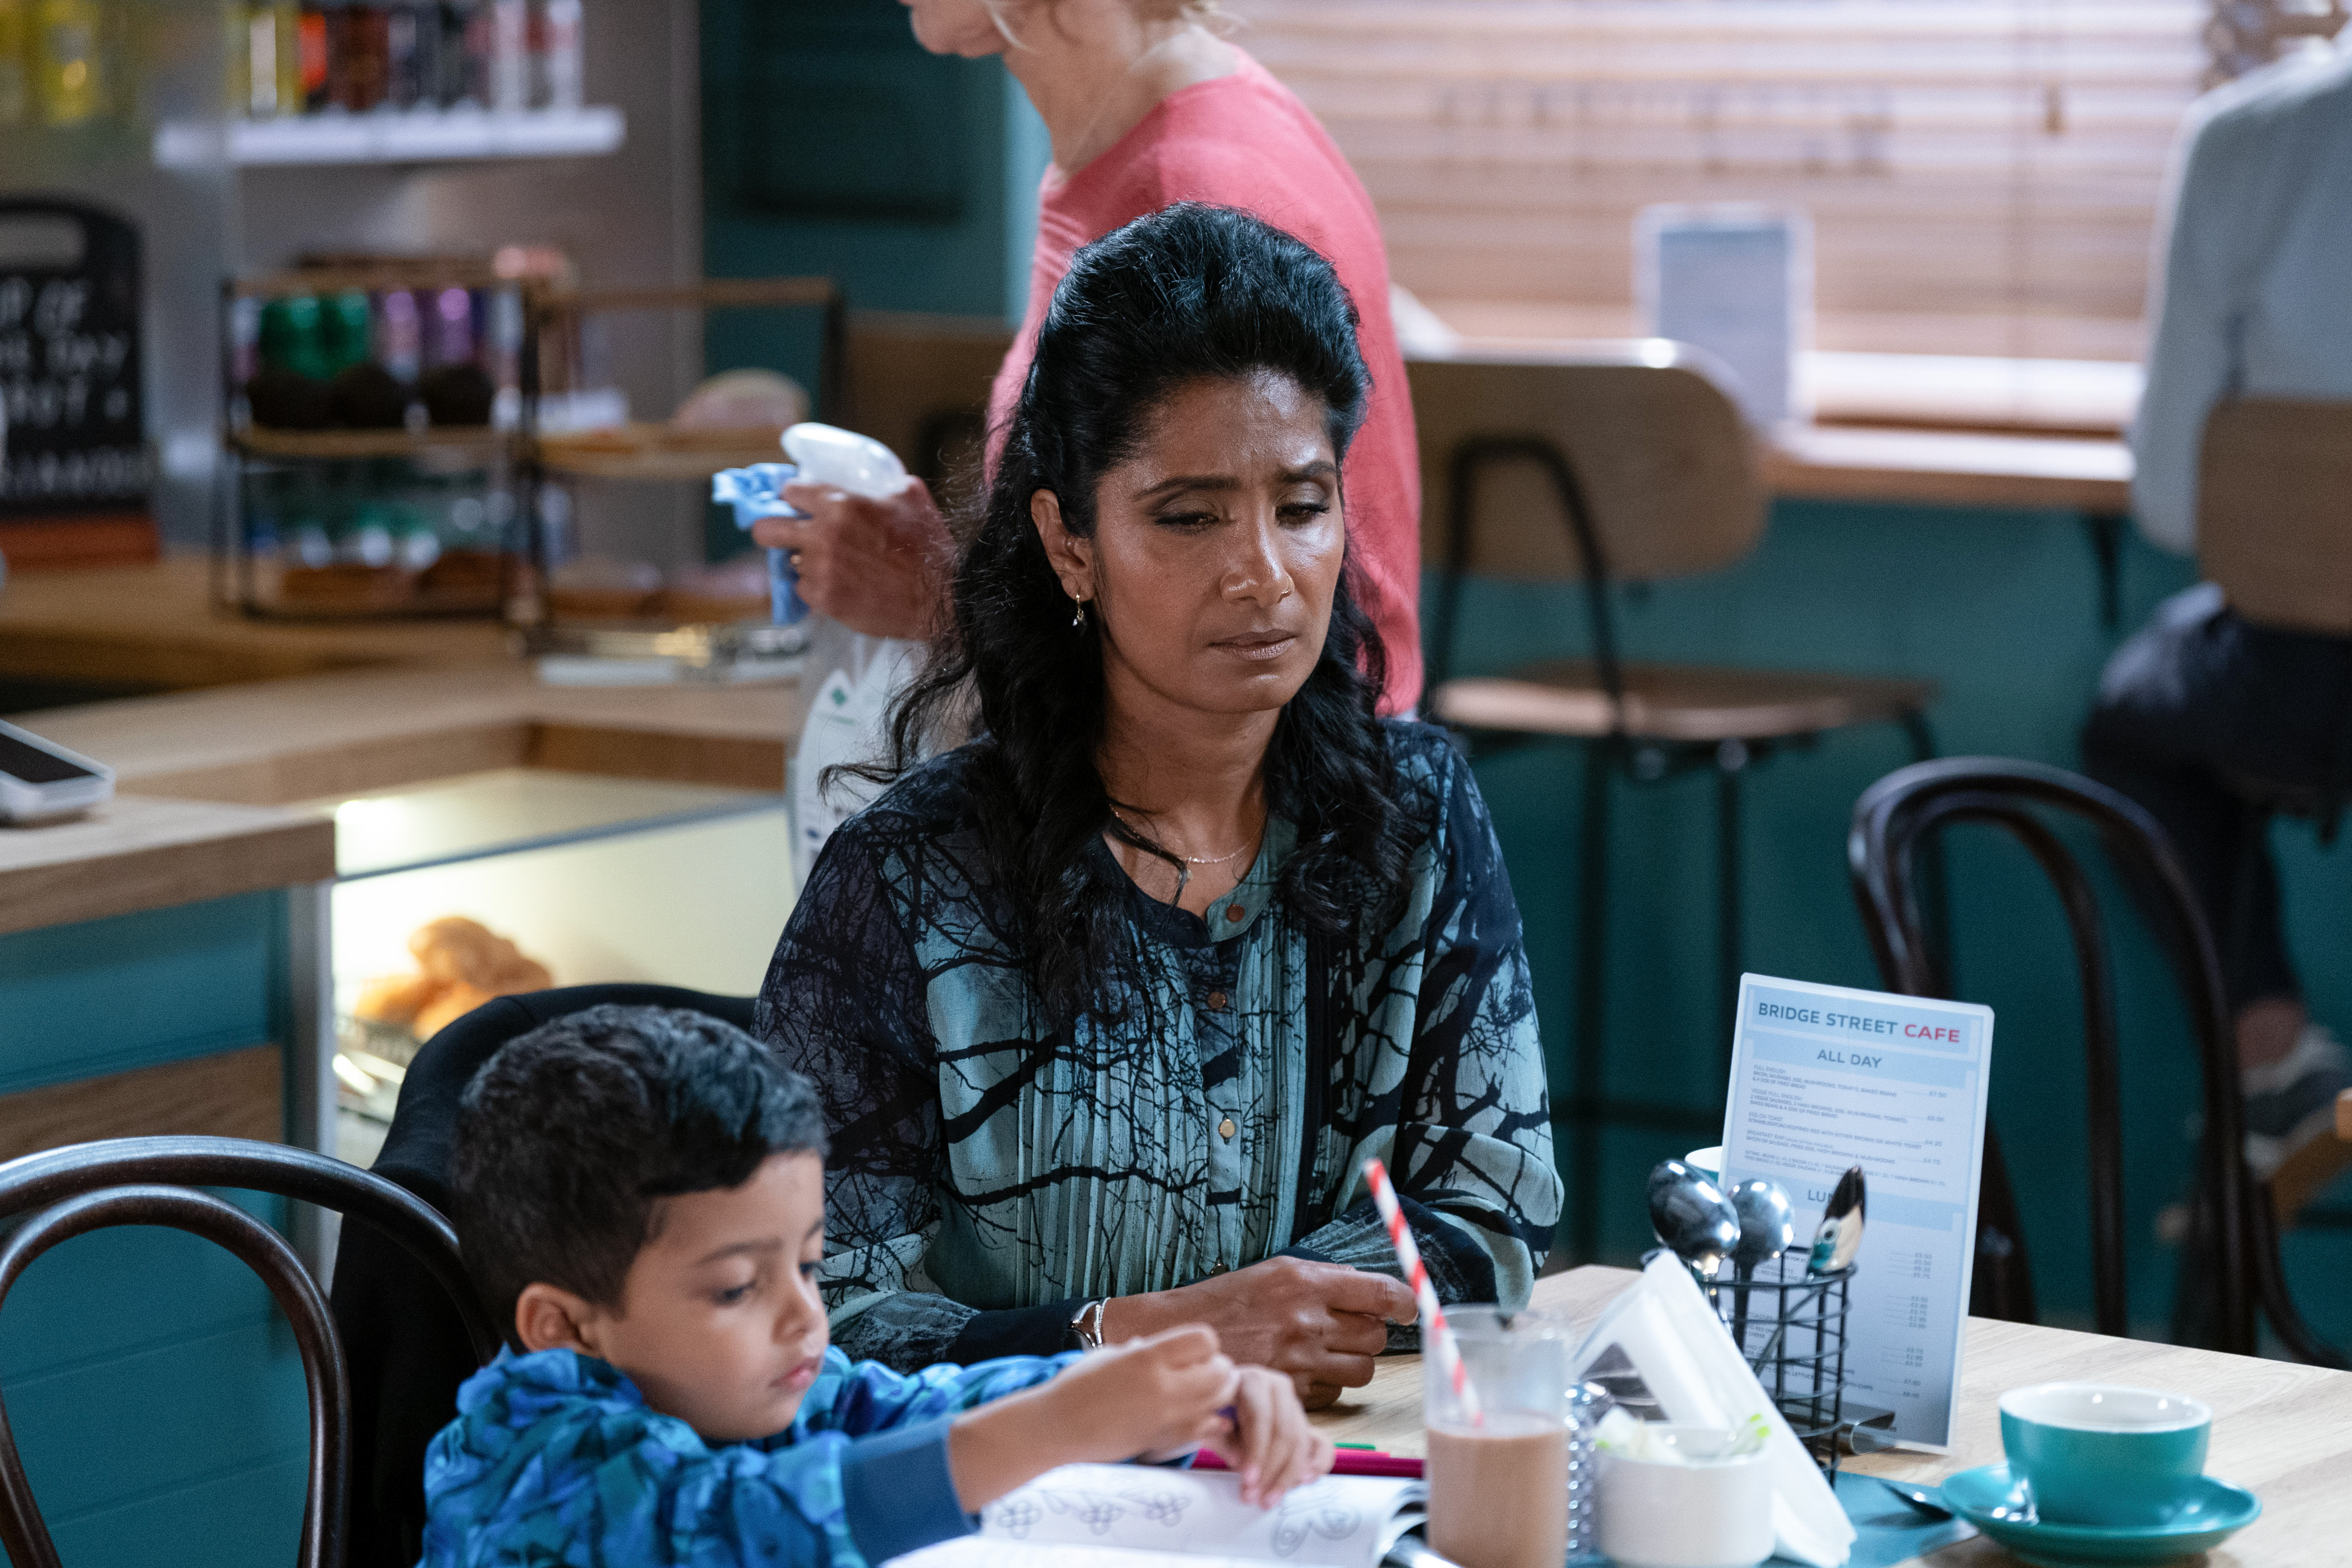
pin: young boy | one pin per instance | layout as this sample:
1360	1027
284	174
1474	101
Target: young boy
642	1192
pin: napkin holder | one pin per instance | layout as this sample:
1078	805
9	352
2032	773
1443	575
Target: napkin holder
1685	1355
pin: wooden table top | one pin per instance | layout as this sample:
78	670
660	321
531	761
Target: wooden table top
2281	1430
272	713
156	625
1951	467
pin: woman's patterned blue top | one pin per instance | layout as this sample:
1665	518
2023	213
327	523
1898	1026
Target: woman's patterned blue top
989	1172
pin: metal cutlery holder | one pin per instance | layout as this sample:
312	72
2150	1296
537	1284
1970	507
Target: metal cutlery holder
1790	1326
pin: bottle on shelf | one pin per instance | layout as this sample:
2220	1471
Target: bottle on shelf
412	58
358	49
510	54
68	61
464	54
313	56
265	58
16	61
556	54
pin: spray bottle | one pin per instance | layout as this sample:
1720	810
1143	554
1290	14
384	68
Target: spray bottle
851	676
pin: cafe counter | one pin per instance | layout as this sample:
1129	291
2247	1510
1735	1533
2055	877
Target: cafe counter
293	802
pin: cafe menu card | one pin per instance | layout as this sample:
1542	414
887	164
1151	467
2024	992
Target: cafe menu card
1823	1077
1145	1516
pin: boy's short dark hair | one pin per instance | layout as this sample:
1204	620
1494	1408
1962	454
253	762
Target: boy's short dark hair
571	1134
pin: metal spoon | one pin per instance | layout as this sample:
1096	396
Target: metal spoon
1768	1227
1928	1501
1692	1217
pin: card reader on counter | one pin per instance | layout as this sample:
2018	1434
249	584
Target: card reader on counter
40	778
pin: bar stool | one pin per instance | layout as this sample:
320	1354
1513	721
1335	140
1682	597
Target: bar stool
2274	532
1626	462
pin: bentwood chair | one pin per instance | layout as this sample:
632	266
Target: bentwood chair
2234	1243
1615	463
83	1187
2274	531
408	1350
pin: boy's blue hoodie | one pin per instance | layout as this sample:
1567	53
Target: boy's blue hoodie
555	1459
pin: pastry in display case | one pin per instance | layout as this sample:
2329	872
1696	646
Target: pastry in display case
453	890
460	964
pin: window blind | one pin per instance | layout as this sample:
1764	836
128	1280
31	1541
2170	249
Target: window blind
1982	176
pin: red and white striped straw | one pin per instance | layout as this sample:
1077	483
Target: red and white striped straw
1435	1334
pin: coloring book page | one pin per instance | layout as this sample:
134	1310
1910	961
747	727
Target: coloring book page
1102	1516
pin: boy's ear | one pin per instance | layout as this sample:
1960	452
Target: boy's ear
548	1317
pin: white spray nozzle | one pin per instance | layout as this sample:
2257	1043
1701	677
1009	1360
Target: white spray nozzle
828	454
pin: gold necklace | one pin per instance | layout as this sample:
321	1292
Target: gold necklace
1189	859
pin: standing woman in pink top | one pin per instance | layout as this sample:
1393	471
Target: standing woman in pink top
1146	107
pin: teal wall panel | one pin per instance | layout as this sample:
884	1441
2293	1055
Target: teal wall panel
2000	609
154	1389
831	143
101	996
245	1516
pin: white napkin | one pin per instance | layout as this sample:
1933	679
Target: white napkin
1687	1356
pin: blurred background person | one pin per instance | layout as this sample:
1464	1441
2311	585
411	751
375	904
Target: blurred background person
2253	297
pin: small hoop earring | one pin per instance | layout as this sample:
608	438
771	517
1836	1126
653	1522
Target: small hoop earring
1078	614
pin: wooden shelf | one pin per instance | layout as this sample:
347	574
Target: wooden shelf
417	137
260	441
650	452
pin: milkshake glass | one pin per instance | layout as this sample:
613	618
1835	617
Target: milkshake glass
1498	1484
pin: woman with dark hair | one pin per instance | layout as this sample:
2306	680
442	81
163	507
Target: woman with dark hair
1109	1006
1146	104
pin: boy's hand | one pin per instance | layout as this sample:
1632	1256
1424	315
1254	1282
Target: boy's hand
1166	1394
1271	1447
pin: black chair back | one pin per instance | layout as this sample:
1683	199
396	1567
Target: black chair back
151	1181
407	1350
1891	821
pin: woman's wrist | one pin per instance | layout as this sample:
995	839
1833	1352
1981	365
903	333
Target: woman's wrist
1125	1317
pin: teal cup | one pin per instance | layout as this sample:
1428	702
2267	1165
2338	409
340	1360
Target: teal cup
2093	1452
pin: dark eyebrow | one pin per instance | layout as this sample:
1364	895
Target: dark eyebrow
734	1248
1321	469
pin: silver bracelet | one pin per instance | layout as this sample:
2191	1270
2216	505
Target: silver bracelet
1088	1325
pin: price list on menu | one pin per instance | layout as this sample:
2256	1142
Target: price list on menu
1824	1078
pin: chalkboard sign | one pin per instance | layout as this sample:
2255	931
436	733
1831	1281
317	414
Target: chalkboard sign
74	440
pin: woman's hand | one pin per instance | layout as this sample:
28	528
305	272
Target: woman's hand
1272	1448
1164	1395
1321	1323
876	565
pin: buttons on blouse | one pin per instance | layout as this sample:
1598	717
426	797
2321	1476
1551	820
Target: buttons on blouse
1235	914
1225	1128
1216	1269
1216	1000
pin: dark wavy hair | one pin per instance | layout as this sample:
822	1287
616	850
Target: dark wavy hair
1188	293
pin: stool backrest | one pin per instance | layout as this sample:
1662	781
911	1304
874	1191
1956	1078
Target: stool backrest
1670	472
920	385
2274	511
1891	820
83	1187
